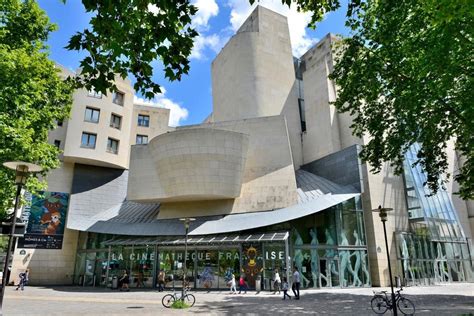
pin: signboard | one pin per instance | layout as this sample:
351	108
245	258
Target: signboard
46	219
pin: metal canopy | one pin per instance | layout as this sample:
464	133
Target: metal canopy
200	240
245	221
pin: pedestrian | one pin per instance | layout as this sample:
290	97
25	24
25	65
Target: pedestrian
124	280
140	279
285	288
242	285
233	285
161	281
23	280
296	283
276	282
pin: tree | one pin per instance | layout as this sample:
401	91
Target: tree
126	36
32	94
406	76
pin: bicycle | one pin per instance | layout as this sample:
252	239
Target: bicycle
380	303
187	298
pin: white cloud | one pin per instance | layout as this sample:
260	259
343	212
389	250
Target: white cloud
297	21
206	10
177	112
213	41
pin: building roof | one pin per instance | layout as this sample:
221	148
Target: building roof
310	186
129	218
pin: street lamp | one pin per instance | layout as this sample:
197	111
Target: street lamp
383	217
22	169
186	221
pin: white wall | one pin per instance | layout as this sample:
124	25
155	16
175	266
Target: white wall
50	266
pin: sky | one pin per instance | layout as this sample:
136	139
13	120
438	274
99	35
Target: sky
190	100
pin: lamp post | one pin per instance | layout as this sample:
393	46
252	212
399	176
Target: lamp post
186	222
383	217
22	169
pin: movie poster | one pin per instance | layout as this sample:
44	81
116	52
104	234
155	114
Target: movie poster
252	263
46	219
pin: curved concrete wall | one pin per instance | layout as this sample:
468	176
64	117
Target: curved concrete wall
197	164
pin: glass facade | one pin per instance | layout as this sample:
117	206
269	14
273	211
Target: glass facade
435	249
328	248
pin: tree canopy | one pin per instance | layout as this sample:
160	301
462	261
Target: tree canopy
33	97
406	76
126	36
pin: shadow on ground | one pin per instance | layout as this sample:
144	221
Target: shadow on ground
331	304
321	303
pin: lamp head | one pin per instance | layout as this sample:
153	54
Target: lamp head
186	221
382	212
22	170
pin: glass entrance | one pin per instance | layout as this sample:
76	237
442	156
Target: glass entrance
274	261
308	270
229	264
171	262
142	264
207	269
329	272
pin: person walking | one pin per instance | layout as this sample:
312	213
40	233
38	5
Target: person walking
276	282
285	288
161	281
140	279
124	280
296	283
242	285
23	280
233	285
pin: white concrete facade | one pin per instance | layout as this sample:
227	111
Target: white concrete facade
242	158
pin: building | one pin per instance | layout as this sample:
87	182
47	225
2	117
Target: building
272	178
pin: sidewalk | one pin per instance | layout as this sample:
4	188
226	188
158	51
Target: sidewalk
453	299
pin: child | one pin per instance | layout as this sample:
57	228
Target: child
285	288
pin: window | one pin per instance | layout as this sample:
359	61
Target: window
142	139
116	121
118	98
60	123
143	120
57	143
88	140
302	115
94	94
112	145
92	115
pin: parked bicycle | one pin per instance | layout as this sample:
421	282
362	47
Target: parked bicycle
187	298
381	303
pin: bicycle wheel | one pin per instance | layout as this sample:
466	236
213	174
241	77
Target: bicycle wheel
189	299
379	304
168	300
406	306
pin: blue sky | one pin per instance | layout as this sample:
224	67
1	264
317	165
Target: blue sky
190	99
